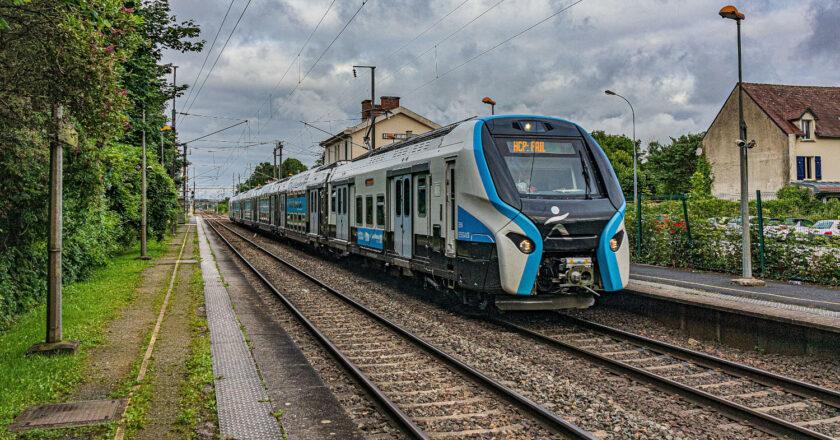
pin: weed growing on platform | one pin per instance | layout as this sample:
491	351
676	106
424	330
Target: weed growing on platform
198	395
87	309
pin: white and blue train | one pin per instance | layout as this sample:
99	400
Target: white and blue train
520	212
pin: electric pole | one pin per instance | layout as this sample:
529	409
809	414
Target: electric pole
174	136
143	255
372	103
186	172
278	171
54	343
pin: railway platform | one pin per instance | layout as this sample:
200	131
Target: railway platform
800	295
778	317
274	381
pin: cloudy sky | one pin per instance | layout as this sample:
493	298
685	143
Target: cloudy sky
675	60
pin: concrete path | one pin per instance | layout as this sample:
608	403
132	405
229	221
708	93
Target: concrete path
778	292
241	399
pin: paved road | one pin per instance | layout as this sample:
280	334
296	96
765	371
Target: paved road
801	295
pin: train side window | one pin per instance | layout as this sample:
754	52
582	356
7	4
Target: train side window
380	210
369	210
421	197
407	199
358	210
332	201
398	197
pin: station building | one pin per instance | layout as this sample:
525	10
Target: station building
393	123
797	135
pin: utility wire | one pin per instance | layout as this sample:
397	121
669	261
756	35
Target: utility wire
209	51
497	45
422	33
434	46
210	72
292	63
210	117
364	2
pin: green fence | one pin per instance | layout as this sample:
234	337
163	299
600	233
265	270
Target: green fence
679	231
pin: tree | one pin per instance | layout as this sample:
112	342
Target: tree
673	165
292	166
619	150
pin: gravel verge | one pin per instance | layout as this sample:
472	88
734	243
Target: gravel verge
607	405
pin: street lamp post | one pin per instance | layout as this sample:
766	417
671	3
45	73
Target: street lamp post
732	13
492	103
635	170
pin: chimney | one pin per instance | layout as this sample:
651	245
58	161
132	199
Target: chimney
366	104
389	102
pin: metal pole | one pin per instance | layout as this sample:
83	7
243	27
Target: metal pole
760	229
280	157
185	183
372	109
746	257
54	244
492	109
174	136
639	221
274	171
143	196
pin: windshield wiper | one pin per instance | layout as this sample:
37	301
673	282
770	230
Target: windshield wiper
585	174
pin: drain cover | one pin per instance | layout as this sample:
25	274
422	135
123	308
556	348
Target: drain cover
63	415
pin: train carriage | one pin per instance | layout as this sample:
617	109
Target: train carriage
523	212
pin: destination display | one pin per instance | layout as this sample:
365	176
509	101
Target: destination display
539	146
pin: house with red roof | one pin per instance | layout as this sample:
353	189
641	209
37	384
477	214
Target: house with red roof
797	140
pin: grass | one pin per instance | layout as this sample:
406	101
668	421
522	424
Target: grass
88	307
198	395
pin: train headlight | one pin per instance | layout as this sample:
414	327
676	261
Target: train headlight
525	244
615	242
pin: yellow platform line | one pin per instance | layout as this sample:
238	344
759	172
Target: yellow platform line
737	290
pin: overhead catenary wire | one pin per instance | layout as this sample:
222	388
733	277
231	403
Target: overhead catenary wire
497	45
297	57
434	46
210	72
210	50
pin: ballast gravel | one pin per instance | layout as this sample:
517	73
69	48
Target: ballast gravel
607	405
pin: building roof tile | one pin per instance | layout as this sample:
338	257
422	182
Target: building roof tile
785	104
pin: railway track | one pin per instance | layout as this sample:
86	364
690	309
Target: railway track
776	404
425	391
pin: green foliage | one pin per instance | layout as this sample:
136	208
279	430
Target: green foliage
718	248
99	61
619	150
265	172
673	165
88	306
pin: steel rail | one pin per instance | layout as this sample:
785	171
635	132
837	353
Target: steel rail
546	417
764	377
402	420
733	410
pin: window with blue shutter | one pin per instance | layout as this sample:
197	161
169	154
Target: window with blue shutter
817	167
800	167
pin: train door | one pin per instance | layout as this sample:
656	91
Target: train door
342	217
421	218
402	215
313	211
451	209
281	208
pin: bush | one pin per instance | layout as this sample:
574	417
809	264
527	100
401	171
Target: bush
717	247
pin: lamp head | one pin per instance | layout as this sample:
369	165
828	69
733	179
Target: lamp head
166	128
609	92
731	12
354	73
487	100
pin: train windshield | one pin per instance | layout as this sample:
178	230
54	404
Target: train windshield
548	167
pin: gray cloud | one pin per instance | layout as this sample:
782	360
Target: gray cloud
674	60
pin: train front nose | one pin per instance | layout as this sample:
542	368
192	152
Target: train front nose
582	241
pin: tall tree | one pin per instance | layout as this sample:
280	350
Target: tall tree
674	164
